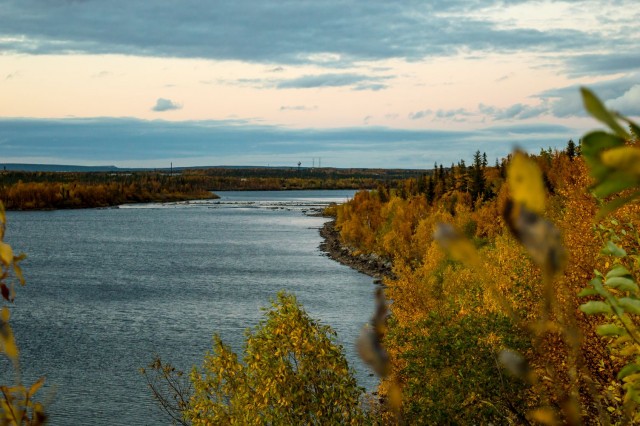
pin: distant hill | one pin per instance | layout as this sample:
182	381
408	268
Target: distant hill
55	168
239	171
23	167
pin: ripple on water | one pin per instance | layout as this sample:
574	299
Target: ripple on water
109	288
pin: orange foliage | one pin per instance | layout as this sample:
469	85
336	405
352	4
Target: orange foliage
429	286
108	190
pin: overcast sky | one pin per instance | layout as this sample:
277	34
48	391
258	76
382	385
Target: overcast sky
355	83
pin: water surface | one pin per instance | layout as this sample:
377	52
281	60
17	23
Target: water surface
109	288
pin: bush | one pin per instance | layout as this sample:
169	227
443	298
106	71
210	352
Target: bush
292	372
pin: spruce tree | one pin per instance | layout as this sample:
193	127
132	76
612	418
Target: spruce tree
571	149
478	183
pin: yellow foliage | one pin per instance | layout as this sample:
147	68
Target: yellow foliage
7	341
544	416
293	372
6	254
16	403
525	183
626	158
494	278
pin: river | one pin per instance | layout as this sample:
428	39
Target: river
109	288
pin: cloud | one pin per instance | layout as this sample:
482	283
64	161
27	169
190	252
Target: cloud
101	74
529	129
236	142
163	104
420	114
327	32
486	109
323	80
567	102
505	77
370	86
603	64
298	108
517	111
452	113
628	103
13	75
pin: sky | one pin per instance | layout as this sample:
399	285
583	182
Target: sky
393	84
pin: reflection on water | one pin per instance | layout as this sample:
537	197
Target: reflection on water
108	288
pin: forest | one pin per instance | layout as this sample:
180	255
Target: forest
48	191
23	190
522	306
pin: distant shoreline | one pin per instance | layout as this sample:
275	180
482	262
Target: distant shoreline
116	204
72	190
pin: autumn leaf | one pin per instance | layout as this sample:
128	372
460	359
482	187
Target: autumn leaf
6	253
7	341
525	183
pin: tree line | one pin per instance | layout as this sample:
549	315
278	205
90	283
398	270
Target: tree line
59	190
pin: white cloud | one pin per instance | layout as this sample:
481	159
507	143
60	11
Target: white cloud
628	103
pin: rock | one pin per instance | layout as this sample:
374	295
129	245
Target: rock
371	264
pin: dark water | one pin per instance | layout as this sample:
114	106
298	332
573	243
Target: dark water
109	288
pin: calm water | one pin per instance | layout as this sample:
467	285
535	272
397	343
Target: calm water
109	288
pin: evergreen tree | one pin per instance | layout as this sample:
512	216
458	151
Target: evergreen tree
430	192
462	172
383	192
571	149
478	184
422	183
452	174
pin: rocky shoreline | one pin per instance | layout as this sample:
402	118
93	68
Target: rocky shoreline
369	264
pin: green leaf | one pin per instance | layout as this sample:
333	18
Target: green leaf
622	283
588	292
634	127
596	169
614	182
596	141
610	330
595	307
596	108
616	204
625	159
611	249
628	369
630	305
596	283
633	395
618	271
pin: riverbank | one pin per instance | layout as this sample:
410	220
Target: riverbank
369	264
